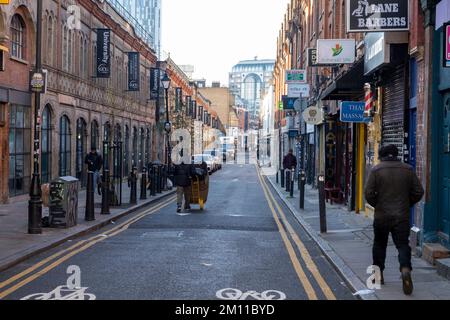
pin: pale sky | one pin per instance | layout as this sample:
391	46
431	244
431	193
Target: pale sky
214	35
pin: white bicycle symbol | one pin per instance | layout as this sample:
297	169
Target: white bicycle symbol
236	294
62	293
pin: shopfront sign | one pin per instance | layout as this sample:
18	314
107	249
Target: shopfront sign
295	76
38	82
336	51
447	45
353	112
289	103
296	90
313	116
377	15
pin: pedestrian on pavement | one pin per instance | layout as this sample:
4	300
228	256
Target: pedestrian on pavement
392	189
94	162
182	180
290	161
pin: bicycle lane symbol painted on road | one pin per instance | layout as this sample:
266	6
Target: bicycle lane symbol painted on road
236	294
71	291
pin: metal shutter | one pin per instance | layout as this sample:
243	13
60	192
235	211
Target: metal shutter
393	112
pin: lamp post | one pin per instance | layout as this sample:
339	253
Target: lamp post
35	202
167	126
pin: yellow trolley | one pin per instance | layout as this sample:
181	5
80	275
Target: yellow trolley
200	188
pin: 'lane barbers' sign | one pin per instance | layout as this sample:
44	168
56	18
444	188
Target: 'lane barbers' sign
377	15
103	53
154	83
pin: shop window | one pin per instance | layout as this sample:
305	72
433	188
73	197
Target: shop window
46	148
64	147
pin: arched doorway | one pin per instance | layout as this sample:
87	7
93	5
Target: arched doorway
134	155
126	152
95	135
141	149
81	151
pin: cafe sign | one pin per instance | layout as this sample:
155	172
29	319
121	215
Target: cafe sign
313	116
377	15
336	51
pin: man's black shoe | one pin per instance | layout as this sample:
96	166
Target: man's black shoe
179	209
407	281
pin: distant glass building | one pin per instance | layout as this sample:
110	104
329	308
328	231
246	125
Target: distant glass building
147	14
248	80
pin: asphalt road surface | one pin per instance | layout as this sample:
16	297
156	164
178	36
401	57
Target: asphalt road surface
244	245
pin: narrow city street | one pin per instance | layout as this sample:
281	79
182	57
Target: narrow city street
245	241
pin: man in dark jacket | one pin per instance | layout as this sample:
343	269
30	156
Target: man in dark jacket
392	189
290	161
182	180
94	163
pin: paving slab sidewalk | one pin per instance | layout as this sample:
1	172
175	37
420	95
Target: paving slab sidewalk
348	246
17	245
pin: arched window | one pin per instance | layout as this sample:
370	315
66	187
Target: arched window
49	42
46	150
135	147
126	152
107	132
18	37
81	151
64	146
94	135
65	48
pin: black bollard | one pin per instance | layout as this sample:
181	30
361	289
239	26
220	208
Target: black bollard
144	184
302	181
105	192
153	181
291	188
132	183
277	177
322	205
158	179
288	180
89	213
282	177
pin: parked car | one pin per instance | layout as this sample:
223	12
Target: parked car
207	158
216	157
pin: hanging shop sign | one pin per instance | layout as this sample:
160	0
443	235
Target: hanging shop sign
154	83
377	15
295	76
103	53
447	45
336	51
312	59
353	112
313	116
296	90
133	71
38	82
4	1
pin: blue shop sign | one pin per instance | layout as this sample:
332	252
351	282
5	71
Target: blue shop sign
352	111
288	103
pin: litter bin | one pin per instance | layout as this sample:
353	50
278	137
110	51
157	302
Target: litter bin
63	202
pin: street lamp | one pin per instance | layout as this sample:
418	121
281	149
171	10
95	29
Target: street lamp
167	126
35	202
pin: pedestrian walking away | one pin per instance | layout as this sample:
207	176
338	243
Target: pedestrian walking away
392	189
182	180
94	163
290	161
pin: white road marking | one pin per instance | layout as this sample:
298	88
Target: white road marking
236	294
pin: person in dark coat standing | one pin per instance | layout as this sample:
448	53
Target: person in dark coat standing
94	163
392	189
290	161
182	180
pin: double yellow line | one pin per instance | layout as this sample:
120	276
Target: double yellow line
287	231
63	255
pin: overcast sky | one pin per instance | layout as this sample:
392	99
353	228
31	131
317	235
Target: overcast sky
214	35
